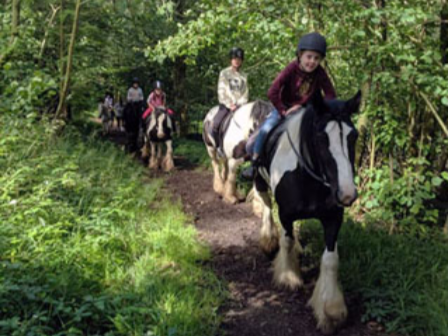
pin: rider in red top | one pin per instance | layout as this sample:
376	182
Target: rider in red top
157	98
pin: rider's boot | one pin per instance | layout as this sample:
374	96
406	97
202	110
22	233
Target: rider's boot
249	173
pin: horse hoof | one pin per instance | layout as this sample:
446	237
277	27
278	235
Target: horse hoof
240	197
330	315
231	200
218	189
289	280
269	246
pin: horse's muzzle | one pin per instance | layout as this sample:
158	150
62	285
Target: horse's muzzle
347	199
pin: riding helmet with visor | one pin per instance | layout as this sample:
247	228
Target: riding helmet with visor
314	42
236	52
158	85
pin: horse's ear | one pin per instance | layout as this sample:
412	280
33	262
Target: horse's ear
318	102
352	105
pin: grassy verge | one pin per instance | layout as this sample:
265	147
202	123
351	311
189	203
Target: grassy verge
402	281
86	248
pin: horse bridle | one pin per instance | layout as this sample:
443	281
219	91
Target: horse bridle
305	165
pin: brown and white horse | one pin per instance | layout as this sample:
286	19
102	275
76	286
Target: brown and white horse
236	130
159	131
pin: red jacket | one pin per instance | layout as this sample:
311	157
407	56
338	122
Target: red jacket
295	86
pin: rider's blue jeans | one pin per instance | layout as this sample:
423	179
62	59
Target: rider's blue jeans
271	121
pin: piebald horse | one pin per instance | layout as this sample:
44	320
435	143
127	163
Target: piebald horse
159	131
234	134
307	164
107	118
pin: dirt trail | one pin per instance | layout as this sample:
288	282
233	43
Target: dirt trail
255	307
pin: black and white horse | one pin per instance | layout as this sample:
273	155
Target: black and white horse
307	163
158	131
107	118
234	134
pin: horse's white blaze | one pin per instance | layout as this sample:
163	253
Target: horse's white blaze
327	299
152	123
160	121
285	158
339	151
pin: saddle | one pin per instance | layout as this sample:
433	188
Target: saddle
223	127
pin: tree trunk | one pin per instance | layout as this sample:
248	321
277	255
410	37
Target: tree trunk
179	76
47	31
61	46
444	31
445	228
65	87
15	20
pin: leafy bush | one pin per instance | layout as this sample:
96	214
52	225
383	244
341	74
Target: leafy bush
405	200
87	248
402	281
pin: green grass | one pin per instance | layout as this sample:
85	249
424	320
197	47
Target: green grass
402	281
89	246
194	151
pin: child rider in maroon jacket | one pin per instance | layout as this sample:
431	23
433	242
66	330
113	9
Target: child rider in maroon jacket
294	86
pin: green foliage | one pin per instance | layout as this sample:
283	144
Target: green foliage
402	281
87	248
392	52
193	151
405	199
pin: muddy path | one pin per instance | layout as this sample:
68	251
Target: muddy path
255	307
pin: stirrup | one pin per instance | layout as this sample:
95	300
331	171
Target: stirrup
249	173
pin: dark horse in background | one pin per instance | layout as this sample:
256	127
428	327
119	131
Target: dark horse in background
307	163
159	130
132	116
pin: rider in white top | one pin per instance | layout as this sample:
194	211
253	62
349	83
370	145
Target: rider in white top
135	93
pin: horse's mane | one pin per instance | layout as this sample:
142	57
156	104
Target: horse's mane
306	134
260	110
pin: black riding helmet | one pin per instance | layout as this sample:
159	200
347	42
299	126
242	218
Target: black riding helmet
236	52
312	41
158	85
135	80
